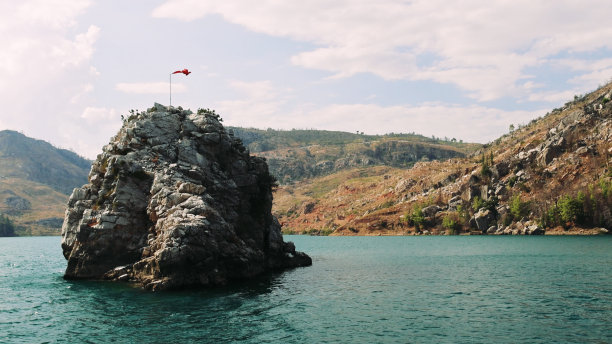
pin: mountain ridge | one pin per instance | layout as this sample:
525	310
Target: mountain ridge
295	155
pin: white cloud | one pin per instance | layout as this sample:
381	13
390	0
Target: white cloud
45	68
89	135
93	71
36	42
55	14
553	96
470	123
150	87
99	114
87	88
75	52
258	100
481	46
261	105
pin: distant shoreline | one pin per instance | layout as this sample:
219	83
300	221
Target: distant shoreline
552	232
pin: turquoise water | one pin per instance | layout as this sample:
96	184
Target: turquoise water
359	290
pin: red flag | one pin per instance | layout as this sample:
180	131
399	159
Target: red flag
184	71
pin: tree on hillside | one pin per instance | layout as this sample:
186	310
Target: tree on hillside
6	227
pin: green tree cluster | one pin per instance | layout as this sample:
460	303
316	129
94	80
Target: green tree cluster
416	217
7	228
587	209
518	208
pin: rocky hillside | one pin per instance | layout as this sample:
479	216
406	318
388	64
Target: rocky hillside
552	175
295	155
35	181
175	201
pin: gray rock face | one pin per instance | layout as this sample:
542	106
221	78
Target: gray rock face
174	201
552	147
454	203
483	219
431	210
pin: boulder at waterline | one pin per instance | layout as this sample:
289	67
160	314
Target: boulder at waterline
175	201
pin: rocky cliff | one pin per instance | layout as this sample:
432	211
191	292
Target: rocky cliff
175	201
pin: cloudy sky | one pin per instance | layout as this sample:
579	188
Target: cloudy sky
466	69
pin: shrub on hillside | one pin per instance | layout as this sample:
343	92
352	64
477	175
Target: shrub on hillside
416	217
490	204
452	222
477	203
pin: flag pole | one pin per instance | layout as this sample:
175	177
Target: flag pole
184	71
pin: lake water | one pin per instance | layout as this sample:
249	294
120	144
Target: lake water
359	290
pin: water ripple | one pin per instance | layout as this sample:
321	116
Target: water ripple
359	290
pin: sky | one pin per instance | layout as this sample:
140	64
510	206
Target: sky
459	69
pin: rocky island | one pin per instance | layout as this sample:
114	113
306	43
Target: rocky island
174	201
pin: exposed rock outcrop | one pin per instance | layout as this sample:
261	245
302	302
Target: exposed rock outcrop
483	219
175	201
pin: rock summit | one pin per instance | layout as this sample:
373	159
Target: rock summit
175	201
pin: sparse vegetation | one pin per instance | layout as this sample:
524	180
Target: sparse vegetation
319	232
490	204
512	180
552	183
211	113
132	116
486	163
386	204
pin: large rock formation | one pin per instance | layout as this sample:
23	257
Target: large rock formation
175	201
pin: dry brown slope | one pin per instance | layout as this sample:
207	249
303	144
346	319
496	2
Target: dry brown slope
40	209
565	153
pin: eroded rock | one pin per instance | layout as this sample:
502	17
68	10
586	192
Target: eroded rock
174	201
